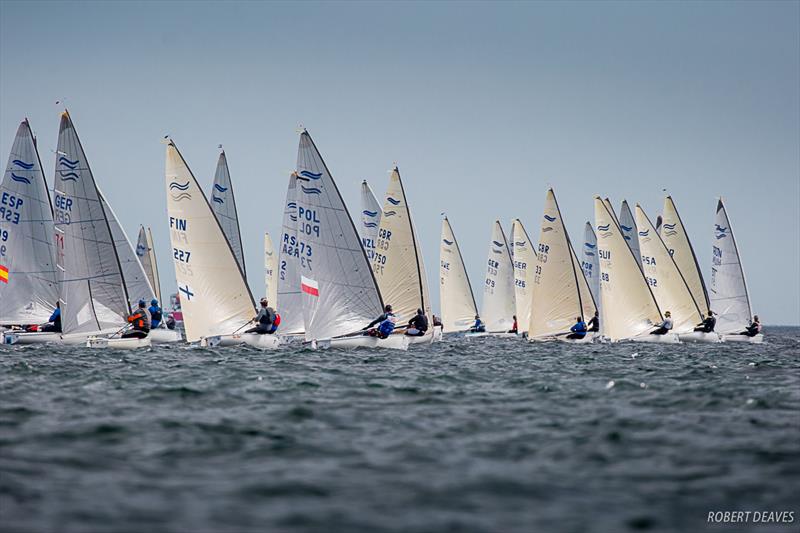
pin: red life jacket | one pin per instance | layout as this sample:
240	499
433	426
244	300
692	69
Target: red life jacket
277	320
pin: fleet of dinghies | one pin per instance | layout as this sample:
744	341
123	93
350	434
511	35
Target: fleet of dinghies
65	251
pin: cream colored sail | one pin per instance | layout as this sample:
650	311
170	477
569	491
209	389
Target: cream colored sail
455	291
215	298
524	256
629	308
498	307
664	277
675	237
397	261
560	293
270	270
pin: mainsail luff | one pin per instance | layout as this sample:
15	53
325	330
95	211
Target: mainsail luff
524	257
215	297
290	299
676	238
340	294
370	219
498	306
591	263
92	292
30	292
458	310
223	203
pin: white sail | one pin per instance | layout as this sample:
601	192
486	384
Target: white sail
92	293
728	288
627	222
559	291
290	301
591	263
340	293
28	281
397	263
498	306
629	308
270	272
665	279
223	202
607	203
370	219
147	256
677	241
215	298
524	256
137	284
455	291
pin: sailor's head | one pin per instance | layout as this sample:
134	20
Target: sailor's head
597	313
514	317
477	317
154	302
579	318
710	313
264	302
142	303
387	308
667	314
755	318
419	312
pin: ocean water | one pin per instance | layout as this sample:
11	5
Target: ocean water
464	435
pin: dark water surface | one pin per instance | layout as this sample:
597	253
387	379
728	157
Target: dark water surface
478	435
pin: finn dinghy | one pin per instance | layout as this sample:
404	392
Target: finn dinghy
455	291
560	292
629	310
215	299
28	279
146	253
339	291
728	288
397	261
524	256
498	306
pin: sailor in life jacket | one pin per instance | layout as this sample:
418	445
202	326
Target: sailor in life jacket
140	322
265	320
156	314
385	323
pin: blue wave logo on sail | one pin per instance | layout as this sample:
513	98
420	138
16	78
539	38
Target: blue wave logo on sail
217	199
589	254
644	233
547	228
590	245
181	196
448	243
293	218
22	164
604	228
626	228
179	186
140	249
370	224
389	213
68	176
721	232
392	200
371	214
670	226
72	165
520	243
21	179
310	190
498	244
292	205
220	188
310	175
550	219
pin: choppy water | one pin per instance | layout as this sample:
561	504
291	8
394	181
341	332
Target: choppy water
479	435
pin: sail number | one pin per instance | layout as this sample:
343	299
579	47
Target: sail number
307	221
650	261
653	282
181	255
492	267
9	207
445	265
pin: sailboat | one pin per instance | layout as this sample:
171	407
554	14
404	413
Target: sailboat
498	306
455	291
223	203
270	271
560	292
591	263
629	310
370	219
730	300
28	279
524	257
340	294
215	299
290	299
627	223
665	279
397	262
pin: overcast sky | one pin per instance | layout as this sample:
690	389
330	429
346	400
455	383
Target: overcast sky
482	106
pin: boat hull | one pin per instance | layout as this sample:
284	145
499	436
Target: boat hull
587	339
700	336
118	343
393	342
262	342
758	339
668	338
434	335
165	336
35	337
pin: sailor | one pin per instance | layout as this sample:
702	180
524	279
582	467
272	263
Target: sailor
385	322
479	326
265	320
387	310
665	326
753	329
578	330
594	323
437	321
707	325
418	325
140	323
514	326
156	314
54	322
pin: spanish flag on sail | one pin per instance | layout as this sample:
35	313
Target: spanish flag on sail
4	274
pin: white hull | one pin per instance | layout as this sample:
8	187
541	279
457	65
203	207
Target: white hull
501	334
700	336
118	343
758	339
434	335
80	339
394	342
36	337
263	342
587	339
667	338
165	336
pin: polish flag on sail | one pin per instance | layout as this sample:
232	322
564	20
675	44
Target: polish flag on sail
309	286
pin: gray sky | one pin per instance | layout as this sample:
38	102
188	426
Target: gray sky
482	106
